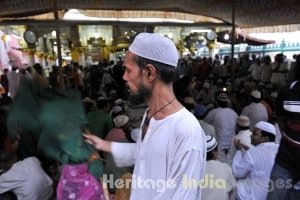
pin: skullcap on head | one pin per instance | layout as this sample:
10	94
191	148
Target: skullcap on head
274	94
211	143
87	100
265	126
118	102
243	121
116	109
120	120
155	47
206	85
222	97
256	94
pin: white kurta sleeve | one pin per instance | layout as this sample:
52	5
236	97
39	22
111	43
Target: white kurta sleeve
10	180
186	174
241	164
124	154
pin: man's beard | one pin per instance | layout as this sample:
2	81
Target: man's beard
141	96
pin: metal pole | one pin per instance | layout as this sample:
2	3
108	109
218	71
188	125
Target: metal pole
233	39
58	42
57	29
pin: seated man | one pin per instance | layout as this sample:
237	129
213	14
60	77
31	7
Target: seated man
219	173
26	178
253	167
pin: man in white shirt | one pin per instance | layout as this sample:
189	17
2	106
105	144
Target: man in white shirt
217	172
254	166
255	111
26	178
171	145
223	119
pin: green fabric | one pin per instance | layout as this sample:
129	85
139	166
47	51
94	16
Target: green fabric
100	123
96	168
23	113
62	119
54	118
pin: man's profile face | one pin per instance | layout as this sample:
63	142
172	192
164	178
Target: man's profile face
134	80
256	137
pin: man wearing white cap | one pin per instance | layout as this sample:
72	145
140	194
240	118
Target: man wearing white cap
243	134
255	111
171	144
254	166
217	171
223	119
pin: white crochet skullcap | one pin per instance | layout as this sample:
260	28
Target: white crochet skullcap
265	126
118	102
256	94
120	120
116	109
155	47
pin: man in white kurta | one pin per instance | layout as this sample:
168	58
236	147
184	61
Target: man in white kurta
27	180
169	152
224	121
255	111
254	166
243	135
219	182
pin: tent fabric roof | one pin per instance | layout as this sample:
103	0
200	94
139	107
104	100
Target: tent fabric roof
249	13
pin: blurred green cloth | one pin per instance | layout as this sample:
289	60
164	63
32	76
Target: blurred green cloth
55	119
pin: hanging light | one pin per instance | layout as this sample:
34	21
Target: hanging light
226	36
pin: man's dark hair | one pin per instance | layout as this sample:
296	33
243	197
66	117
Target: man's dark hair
243	127
222	104
210	155
255	100
167	73
269	135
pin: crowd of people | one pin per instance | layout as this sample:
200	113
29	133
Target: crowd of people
187	128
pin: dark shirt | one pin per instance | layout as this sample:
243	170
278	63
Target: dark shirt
289	152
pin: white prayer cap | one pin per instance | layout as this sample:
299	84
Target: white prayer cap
206	85
120	120
87	100
256	94
118	102
155	47
265	126
211	143
243	121
116	109
274	94
135	134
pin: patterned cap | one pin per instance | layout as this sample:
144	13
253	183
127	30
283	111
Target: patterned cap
155	47
211	143
222	97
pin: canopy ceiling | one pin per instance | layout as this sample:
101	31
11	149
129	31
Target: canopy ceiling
249	13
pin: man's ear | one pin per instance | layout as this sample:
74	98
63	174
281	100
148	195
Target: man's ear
150	71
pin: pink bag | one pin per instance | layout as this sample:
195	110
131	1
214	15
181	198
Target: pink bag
76	183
